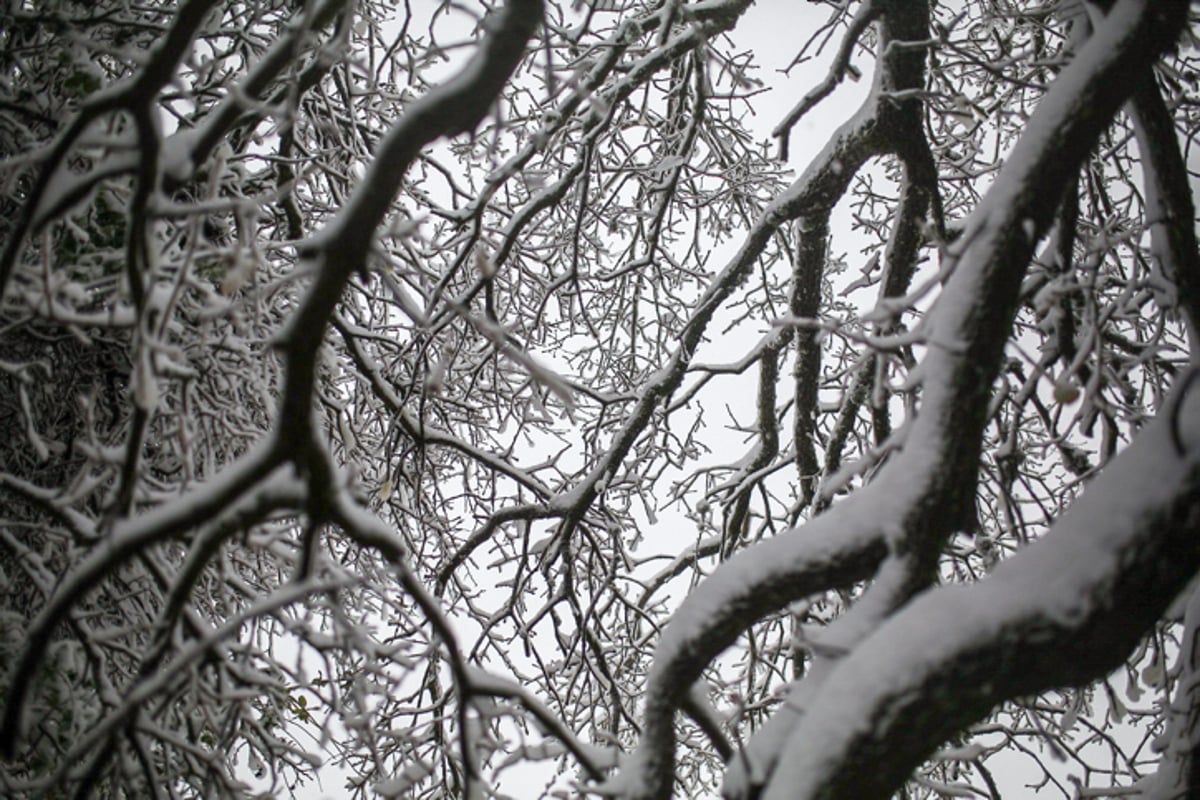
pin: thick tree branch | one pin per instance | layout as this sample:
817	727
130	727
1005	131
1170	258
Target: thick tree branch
341	249
1066	610
1169	209
137	94
807	274
921	497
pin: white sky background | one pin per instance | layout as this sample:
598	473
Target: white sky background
774	30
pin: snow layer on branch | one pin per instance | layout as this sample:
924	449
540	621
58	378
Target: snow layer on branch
968	317
1041	135
1063	580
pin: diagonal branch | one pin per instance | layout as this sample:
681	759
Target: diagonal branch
1169	209
921	497
841	65
135	95
341	249
1063	612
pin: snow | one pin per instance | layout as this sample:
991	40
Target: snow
196	650
824	540
1053	578
177	153
1058	578
409	777
228	496
66	189
1181	737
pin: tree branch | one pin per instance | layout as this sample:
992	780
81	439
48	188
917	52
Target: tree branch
927	491
1064	611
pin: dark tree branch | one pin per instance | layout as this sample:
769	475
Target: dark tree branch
1063	612
926	492
341	249
1170	211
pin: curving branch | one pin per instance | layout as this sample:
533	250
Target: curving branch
134	95
926	492
1063	612
841	66
1169	207
340	250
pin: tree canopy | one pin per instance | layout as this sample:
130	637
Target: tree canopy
479	399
